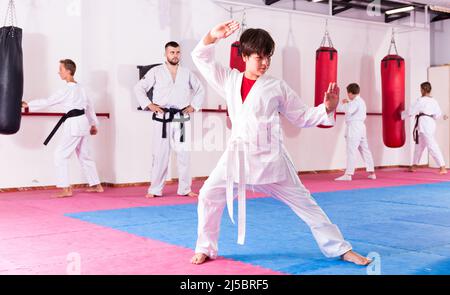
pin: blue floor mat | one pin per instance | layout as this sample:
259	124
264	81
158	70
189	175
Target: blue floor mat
407	226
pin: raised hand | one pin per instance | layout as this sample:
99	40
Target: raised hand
331	99
222	31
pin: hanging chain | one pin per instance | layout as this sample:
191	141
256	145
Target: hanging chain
326	37
291	33
393	43
11	16
243	24
230	10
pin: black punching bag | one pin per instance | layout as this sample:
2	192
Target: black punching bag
11	79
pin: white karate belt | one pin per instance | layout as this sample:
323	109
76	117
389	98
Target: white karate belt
236	147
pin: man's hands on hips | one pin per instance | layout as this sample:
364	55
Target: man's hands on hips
155	108
188	110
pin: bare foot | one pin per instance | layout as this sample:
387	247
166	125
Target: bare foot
413	168
192	195
199	258
151	196
355	258
95	189
65	193
442	170
345	177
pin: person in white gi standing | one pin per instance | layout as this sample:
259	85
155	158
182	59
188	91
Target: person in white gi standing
355	133
426	111
176	93
256	157
80	122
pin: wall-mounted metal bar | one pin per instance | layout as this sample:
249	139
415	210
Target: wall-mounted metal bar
44	114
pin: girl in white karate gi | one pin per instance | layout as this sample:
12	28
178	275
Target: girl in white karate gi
426	111
76	129
256	157
355	133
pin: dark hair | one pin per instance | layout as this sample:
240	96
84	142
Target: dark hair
172	44
353	88
426	87
256	41
69	65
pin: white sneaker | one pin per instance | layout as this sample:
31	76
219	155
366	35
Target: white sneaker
344	177
372	176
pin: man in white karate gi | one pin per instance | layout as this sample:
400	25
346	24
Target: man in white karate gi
78	124
256	157
426	111
355	133
176	94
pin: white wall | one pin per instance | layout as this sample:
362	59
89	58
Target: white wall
439	78
440	42
109	38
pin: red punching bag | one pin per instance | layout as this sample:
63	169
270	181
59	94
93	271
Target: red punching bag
236	61
393	95
326	70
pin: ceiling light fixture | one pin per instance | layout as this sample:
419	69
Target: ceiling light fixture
398	10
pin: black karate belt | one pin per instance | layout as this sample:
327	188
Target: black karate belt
70	114
416	127
169	117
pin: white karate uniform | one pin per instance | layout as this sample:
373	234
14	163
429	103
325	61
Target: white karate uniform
256	157
186	90
356	135
75	132
427	127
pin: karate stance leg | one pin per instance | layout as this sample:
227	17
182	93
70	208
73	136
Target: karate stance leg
418	150
211	203
366	155
433	149
160	159
183	152
87	162
352	147
63	152
298	198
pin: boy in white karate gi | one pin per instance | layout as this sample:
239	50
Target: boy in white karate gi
79	123
426	111
176	94
256	157
355	132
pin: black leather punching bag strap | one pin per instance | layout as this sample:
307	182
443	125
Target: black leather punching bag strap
11	74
